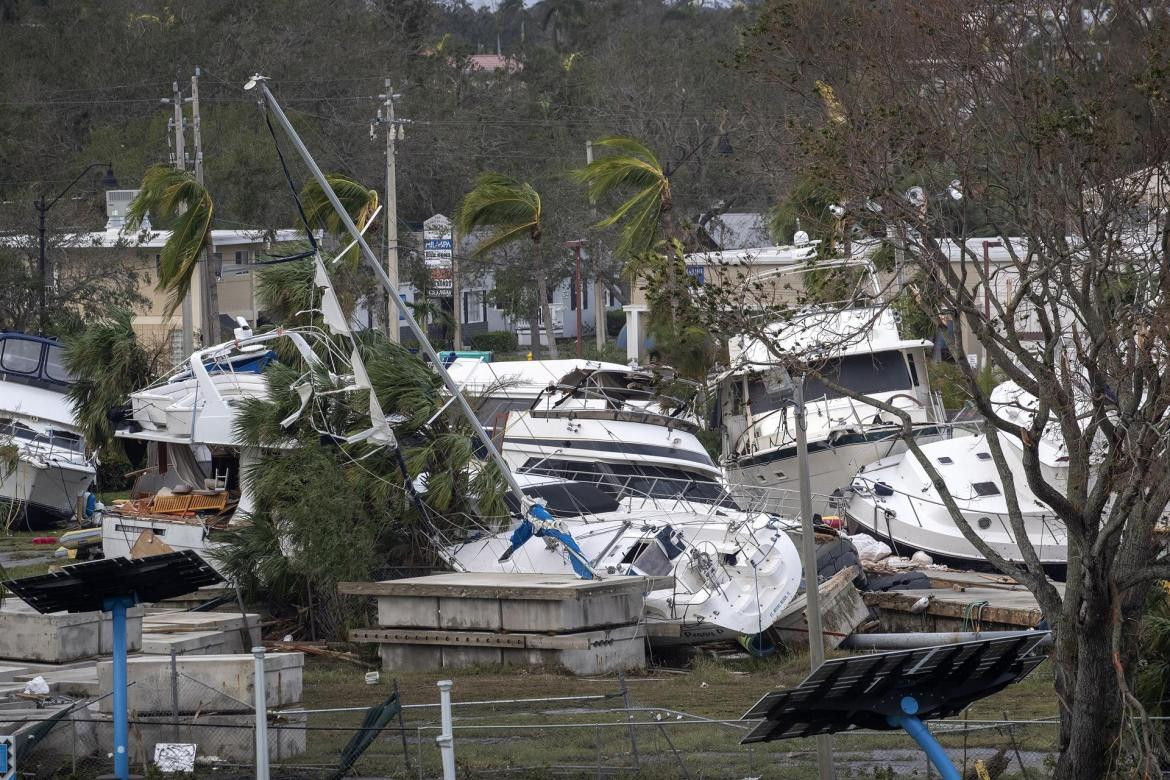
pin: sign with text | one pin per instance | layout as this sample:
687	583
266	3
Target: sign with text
438	250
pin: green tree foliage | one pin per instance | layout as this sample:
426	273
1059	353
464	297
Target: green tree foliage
359	203
109	363
644	214
174	197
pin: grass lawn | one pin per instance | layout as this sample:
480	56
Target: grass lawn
539	739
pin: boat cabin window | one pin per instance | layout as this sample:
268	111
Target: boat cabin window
20	356
16	430
985	488
567	499
983	455
879	372
945	460
634	480
55	366
760	399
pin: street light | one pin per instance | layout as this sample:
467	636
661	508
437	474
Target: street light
108	182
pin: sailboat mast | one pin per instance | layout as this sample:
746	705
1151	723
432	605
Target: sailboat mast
380	273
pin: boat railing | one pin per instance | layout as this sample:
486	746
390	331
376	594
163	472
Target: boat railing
632	400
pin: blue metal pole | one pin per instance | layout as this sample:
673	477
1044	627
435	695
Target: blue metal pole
917	729
117	607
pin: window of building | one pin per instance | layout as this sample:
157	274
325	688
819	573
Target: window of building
573	296
157	264
474	306
243	256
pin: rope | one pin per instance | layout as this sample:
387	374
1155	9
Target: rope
291	186
973	614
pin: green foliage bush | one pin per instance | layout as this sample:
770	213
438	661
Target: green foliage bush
615	320
494	341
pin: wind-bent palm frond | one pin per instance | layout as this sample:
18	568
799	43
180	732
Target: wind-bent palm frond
632	167
512	208
110	363
170	194
359	201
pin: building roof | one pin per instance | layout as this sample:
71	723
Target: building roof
114	237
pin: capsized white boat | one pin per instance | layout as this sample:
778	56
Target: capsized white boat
44	467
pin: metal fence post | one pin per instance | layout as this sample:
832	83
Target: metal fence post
260	685
625	691
446	738
175	696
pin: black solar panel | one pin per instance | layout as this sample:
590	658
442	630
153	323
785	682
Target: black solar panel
860	692
84	587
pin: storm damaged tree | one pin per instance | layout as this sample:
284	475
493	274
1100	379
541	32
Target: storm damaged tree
1041	127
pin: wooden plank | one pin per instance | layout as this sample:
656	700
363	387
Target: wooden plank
532	587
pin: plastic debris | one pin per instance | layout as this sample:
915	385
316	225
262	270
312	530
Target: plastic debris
37	686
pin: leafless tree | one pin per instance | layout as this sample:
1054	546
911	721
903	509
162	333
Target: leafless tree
1041	126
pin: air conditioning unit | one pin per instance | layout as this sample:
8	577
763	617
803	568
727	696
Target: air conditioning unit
117	204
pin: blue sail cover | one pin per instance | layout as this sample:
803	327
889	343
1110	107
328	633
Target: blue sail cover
527	529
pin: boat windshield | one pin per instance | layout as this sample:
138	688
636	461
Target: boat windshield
635	480
874	372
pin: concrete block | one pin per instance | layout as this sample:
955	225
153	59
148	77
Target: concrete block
459	657
470	614
409	611
207	683
76	736
410	658
61	637
193	643
230	624
618	609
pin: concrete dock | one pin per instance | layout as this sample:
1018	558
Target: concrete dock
959	601
465	619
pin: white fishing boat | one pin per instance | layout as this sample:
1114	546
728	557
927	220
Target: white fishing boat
894	499
859	348
44	466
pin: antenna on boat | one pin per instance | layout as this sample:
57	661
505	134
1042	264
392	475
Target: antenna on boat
526	505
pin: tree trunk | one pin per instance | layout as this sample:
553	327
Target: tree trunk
542	291
534	335
1090	724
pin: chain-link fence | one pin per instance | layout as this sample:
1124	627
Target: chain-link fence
181	720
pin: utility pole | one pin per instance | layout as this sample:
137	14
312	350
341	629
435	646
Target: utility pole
204	272
808	545
394	133
181	163
599	329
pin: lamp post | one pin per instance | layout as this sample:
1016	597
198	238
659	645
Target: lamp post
108	182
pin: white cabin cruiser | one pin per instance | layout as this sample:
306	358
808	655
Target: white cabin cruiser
596	437
44	467
894	499
194	489
859	348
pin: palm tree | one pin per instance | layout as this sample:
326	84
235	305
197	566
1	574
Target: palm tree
512	209
110	363
645	216
170	195
359	202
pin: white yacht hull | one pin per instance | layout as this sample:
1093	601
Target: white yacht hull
910	523
730	581
40	493
832	467
120	532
